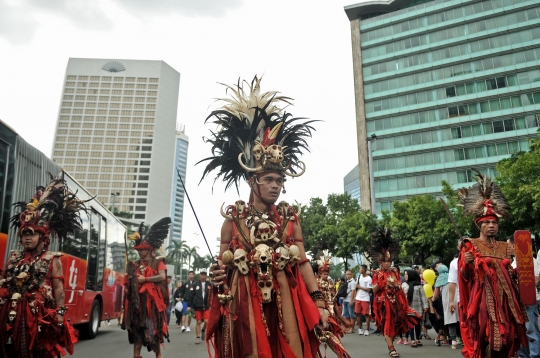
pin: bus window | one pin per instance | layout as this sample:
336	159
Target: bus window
77	245
116	247
101	253
93	252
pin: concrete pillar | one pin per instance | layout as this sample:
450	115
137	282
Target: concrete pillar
361	129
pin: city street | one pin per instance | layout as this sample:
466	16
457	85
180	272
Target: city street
111	341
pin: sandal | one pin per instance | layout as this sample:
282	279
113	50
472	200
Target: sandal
418	344
414	344
427	337
393	352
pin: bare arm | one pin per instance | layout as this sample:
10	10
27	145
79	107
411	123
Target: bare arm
305	270
58	285
218	270
158	278
452	293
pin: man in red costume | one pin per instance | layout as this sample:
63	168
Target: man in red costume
32	287
492	324
390	305
146	301
269	303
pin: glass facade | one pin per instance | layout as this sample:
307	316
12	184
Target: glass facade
448	85
177	209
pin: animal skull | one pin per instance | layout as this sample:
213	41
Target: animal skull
263	258
12	316
265	232
14	299
240	261
294	253
240	208
274	153
227	258
283	257
29	216
258	151
20	279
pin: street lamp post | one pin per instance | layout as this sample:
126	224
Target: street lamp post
370	141
114	195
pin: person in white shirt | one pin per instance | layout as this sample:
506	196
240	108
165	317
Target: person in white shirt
348	301
361	308
533	332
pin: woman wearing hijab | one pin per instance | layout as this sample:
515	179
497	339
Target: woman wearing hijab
417	301
441	288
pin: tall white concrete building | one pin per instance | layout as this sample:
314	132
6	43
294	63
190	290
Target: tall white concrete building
116	132
177	206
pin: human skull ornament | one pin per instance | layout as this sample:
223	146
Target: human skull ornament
283	258
240	261
21	279
227	258
294	253
12	316
274	153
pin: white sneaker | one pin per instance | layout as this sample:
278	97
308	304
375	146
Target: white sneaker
366	332
360	331
188	329
183	329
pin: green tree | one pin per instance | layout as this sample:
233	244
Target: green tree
189	253
519	180
175	250
201	262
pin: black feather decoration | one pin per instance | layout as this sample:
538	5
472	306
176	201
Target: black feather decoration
242	123
384	247
158	232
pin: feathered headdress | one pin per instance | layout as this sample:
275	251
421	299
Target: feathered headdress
383	246
155	236
324	262
53	211
255	135
484	200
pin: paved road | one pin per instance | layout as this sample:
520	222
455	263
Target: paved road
111	341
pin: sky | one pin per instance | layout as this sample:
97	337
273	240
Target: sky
301	48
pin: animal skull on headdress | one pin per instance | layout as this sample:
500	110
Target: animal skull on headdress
12	316
20	279
283	258
258	151
274	153
29	216
263	259
294	253
240	261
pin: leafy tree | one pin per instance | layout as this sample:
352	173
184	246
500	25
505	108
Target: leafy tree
190	252
175	250
122	214
520	182
201	262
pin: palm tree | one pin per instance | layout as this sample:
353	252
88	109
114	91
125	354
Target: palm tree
176	248
189	253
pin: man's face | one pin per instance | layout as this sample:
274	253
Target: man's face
143	253
191	276
29	240
179	284
362	270
202	277
169	280
348	275
489	228
270	185
386	265
324	275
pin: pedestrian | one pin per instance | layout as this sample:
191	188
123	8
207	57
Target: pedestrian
492	324
262	259
363	289
453	292
450	318
32	286
349	301
533	333
402	277
416	297
147	295
189	285
392	311
179	305
198	301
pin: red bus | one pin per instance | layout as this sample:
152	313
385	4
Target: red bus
94	259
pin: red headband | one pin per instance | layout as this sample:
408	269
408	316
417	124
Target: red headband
486	218
144	246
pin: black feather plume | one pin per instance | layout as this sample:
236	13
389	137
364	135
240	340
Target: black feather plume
383	245
158	232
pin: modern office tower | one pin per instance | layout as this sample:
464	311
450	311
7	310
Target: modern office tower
351	183
180	159
116	132
445	86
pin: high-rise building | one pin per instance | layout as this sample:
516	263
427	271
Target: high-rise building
351	183
116	132
180	159
445	85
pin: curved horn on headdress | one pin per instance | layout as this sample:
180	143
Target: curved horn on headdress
299	211
228	217
297	175
246	168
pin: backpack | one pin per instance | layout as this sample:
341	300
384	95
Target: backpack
342	290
